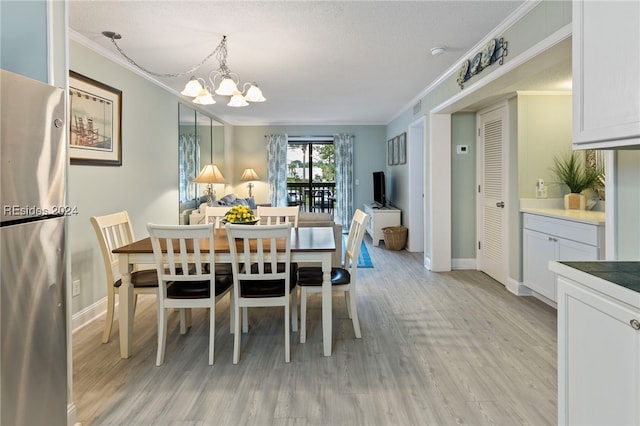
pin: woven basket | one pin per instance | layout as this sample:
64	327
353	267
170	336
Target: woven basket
395	237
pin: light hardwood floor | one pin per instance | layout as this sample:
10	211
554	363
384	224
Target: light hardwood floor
436	349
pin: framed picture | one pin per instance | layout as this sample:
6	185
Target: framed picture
402	148
95	132
390	151
395	150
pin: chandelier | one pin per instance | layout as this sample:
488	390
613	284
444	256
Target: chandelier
227	82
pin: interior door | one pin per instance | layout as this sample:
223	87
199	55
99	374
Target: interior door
492	225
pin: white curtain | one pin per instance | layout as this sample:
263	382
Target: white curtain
343	148
277	176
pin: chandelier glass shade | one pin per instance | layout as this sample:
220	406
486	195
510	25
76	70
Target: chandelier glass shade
221	81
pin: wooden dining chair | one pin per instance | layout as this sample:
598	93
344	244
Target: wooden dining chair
269	281
342	279
114	231
278	215
185	281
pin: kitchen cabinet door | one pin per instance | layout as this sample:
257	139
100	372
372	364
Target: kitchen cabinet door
606	88
598	353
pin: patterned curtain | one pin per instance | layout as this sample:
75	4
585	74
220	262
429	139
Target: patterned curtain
343	147
189	160
277	178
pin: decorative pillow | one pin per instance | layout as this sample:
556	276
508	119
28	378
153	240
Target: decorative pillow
228	200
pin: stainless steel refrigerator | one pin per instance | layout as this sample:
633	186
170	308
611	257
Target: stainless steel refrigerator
33	352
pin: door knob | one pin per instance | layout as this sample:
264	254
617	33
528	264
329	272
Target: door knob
500	204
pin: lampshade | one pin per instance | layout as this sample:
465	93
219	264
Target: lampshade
227	87
254	94
237	100
249	174
204	98
192	88
209	174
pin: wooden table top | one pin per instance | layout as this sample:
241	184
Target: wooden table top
302	239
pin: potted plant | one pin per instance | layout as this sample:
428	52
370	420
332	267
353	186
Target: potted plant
573	172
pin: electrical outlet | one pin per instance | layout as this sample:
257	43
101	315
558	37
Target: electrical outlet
75	288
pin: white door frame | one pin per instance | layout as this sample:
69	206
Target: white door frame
416	136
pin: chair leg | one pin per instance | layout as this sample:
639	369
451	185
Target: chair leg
245	319
354	314
162	335
212	332
185	320
287	332
303	315
236	338
106	334
231	313
293	300
347	299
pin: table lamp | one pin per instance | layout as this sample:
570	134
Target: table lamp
249	175
210	174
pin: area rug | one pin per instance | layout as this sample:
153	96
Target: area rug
364	260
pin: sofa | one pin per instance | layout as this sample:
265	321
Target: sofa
305	219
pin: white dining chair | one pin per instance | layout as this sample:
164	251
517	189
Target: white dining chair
270	280
185	279
215	215
277	215
114	231
342	279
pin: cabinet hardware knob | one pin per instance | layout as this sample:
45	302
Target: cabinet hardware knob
635	324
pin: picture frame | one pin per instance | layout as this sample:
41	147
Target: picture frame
402	148
95	122
395	151
390	152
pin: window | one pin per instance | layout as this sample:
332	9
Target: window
311	174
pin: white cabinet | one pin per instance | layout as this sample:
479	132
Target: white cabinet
598	357
381	217
606	87
546	238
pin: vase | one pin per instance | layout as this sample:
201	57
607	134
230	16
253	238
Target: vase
575	201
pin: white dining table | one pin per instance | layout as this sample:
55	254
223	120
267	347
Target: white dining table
308	244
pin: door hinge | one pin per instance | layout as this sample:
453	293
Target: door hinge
478	131
479	189
479	245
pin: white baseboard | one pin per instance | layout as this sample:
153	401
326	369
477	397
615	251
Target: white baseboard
427	262
464	264
88	314
71	414
518	288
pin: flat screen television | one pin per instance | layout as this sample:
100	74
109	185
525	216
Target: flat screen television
379	195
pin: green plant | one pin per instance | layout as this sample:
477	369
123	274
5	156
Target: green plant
572	171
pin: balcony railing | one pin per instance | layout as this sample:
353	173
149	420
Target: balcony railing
312	197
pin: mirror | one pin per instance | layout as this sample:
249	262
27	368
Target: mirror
200	142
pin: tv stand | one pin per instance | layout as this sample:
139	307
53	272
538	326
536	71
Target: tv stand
381	217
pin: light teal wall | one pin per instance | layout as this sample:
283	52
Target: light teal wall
146	185
546	18
250	150
24	37
463	186
544	132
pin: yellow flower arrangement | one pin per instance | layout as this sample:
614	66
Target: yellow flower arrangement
240	214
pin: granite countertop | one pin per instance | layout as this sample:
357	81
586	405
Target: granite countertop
584	216
622	273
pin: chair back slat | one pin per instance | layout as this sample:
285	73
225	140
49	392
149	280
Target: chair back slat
113	231
215	215
279	215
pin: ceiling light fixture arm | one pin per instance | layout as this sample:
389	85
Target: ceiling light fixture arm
115	36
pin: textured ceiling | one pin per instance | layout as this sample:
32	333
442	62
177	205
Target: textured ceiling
336	62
